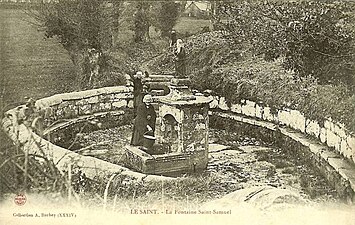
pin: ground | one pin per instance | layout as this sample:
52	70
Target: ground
31	66
233	165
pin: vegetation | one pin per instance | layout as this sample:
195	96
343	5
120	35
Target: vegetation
268	83
302	59
85	29
143	15
142	20
187	26
167	17
201	187
312	37
90	30
31	65
21	171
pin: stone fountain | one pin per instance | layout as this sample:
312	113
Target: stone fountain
181	133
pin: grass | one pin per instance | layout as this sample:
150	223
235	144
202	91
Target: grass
31	65
190	25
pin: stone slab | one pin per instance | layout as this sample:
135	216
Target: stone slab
338	163
267	125
295	136
326	154
138	152
199	100
253	148
348	174
316	148
247	120
217	147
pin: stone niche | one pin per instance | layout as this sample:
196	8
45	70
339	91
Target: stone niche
181	134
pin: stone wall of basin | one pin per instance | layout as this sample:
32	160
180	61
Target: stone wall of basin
329	132
72	105
67	108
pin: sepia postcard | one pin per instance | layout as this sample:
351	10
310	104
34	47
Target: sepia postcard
177	112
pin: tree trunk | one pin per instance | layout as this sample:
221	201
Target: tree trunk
94	67
87	67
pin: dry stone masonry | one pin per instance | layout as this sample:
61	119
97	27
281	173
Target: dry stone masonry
65	109
334	149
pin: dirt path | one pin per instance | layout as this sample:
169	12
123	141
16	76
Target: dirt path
146	66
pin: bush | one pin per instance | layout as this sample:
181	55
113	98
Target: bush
312	37
269	84
202	187
233	73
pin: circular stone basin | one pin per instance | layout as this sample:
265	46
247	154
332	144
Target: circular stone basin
236	163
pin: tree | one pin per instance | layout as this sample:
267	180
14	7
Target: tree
142	21
167	15
312	38
86	29
141	15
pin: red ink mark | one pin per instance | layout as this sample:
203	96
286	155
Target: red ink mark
20	199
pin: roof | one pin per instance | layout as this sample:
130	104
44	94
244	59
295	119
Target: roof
202	5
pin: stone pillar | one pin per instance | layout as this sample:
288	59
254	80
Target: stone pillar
181	131
183	122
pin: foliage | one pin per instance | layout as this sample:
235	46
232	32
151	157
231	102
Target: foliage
90	31
202	187
20	172
141	15
187	26
207	49
312	37
142	20
235	74
268	83
85	29
167	15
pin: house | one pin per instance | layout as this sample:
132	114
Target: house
197	9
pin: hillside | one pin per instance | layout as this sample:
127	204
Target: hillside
233	72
